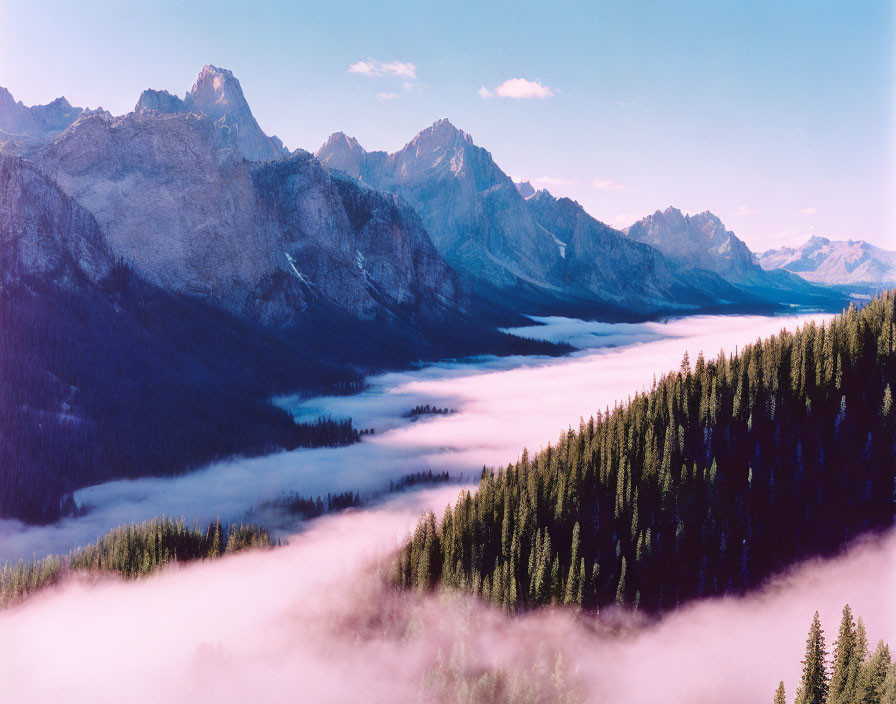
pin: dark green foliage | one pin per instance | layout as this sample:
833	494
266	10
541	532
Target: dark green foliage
857	677
780	695
848	655
705	485
22	578
326	432
309	507
409	480
813	687
132	551
888	695
428	410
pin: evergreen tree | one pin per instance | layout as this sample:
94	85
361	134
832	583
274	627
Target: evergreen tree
814	683
692	485
888	691
780	695
846	662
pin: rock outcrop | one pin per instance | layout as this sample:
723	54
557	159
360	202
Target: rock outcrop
43	232
218	95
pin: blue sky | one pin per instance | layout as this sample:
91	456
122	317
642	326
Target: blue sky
778	117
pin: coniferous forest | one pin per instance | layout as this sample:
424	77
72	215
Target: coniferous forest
853	674
131	551
705	485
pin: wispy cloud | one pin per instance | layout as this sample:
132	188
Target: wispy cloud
553	181
375	68
807	211
606	184
625	219
743	210
485	92
386	97
520	89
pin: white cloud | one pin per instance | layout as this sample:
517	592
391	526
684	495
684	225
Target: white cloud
807	211
521	89
485	92
553	181
743	210
371	67
386	97
624	220
606	184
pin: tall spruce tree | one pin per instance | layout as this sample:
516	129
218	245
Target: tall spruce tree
814	683
846	664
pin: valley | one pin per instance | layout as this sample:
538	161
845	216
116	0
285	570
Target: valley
459	353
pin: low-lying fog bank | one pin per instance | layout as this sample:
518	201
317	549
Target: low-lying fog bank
313	621
503	405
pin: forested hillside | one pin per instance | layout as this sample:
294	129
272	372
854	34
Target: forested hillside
854	674
705	485
131	551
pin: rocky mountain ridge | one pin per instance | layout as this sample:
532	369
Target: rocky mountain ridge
175	198
488	229
834	263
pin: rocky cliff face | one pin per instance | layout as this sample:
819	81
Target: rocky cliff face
174	196
218	95
43	232
525	189
506	234
699	241
831	262
598	257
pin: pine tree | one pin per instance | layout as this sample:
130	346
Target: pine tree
814	684
888	691
846	666
873	675
620	589
780	695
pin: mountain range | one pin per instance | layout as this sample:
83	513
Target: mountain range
167	271
835	263
548	254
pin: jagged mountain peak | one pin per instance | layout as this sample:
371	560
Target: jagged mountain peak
818	240
442	131
217	87
340	141
525	189
835	262
218	95
160	100
40	122
700	240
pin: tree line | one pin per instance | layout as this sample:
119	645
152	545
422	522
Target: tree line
131	551
855	674
717	477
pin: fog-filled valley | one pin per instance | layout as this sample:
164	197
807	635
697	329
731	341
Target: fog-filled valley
315	621
504	404
317	618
